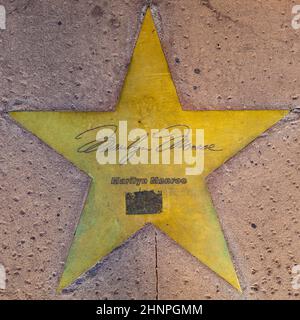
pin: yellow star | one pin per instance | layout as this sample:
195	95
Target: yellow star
148	101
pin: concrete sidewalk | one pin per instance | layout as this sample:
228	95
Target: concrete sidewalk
74	55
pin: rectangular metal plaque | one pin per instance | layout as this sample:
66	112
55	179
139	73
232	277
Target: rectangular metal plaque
144	202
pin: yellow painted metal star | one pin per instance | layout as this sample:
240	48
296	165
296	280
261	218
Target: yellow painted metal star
148	100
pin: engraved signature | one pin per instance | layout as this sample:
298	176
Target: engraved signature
176	142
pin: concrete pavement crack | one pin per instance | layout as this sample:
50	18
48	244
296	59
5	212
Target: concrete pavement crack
219	14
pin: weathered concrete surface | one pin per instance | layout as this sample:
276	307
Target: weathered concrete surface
74	55
129	272
66	54
228	53
41	202
257	196
181	276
